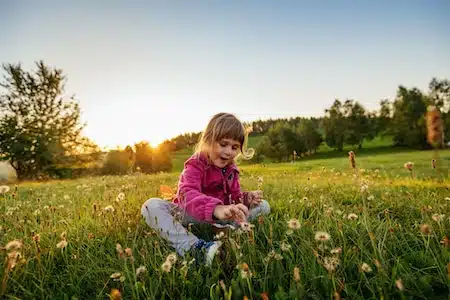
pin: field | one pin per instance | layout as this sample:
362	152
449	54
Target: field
384	235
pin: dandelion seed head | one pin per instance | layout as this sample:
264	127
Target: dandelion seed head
336	250
365	268
14	245
278	256
37	238
352	216
322	236
409	166
4	189
120	197
62	244
166	266
294	224
109	208
141	270
245	226
172	258
285	247
438	217
116	275
331	263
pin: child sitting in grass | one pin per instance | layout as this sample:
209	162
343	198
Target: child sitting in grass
208	191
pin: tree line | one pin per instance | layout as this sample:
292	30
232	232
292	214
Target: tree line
41	130
350	123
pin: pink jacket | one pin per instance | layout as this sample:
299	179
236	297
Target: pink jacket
202	186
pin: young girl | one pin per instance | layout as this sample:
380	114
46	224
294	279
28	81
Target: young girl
208	191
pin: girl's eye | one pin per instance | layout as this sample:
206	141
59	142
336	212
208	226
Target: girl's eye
223	145
235	148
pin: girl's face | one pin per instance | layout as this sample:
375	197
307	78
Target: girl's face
224	151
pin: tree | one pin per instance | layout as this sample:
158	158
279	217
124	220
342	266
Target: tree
384	118
144	157
39	127
162	158
308	132
408	122
334	126
118	162
439	95
358	125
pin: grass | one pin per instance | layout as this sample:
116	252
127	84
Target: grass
407	260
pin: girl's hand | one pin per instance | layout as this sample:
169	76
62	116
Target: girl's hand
238	212
255	197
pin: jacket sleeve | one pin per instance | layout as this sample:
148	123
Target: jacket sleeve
194	202
236	194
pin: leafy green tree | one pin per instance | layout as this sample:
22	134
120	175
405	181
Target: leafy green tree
358	124
119	162
40	128
162	158
408	122
384	118
308	132
144	157
334	126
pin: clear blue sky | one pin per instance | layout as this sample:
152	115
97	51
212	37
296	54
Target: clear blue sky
149	70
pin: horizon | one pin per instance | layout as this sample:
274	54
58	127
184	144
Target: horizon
151	71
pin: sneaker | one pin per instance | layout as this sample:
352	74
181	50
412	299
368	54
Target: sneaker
204	252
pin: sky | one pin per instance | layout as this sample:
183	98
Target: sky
150	70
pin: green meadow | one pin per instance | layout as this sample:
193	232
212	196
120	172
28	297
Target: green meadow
378	232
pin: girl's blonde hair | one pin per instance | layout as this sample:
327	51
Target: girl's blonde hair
224	126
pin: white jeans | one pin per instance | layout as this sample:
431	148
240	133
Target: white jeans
170	220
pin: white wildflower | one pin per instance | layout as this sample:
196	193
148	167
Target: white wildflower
109	208
294	224
322	236
365	268
4	189
352	216
285	247
14	245
141	270
120	197
62	244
